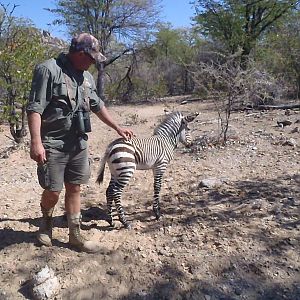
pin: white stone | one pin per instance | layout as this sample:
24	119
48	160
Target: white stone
45	284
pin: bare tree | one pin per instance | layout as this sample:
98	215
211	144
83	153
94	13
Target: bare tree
124	21
231	87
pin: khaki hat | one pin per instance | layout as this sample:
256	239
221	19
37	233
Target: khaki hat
89	44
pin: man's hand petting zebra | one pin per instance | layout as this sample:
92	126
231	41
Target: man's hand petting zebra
155	152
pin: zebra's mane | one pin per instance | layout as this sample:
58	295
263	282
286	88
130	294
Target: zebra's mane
170	125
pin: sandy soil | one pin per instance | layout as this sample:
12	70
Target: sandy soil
238	239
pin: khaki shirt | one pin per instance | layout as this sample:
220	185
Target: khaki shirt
57	91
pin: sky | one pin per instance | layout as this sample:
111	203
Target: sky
177	12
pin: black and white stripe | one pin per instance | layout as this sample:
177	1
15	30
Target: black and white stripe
124	157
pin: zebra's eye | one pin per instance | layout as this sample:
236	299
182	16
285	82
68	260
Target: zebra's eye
184	122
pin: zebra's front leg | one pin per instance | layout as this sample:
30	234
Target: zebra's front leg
158	174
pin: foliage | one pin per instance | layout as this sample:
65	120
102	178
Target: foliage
279	52
239	24
155	71
142	83
124	21
174	50
107	19
21	49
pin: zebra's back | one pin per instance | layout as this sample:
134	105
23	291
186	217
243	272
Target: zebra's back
137	153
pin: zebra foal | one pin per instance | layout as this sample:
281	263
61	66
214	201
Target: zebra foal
155	152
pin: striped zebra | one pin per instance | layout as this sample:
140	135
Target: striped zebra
155	152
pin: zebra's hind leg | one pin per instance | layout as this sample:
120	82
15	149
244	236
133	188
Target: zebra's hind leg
121	213
113	194
109	201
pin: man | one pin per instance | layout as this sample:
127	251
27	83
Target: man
62	94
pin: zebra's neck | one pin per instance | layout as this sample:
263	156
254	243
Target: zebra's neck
171	140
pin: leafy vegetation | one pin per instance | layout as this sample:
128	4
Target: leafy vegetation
124	22
239	24
21	49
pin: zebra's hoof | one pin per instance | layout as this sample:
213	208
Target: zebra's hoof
111	223
127	226
157	215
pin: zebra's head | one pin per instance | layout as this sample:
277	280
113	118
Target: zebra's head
175	128
184	133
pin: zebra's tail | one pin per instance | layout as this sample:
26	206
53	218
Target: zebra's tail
102	168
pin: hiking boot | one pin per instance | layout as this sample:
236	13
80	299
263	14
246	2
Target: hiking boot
44	235
76	239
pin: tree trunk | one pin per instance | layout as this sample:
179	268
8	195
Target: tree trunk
100	81
298	87
186	81
245	56
283	106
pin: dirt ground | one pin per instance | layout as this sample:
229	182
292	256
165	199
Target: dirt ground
230	226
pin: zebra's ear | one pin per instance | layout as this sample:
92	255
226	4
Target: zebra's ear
191	117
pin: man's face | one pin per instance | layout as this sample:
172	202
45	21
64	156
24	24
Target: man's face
82	61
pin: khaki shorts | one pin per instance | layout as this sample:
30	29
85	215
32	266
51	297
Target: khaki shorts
71	167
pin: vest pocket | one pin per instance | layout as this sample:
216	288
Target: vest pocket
59	90
57	122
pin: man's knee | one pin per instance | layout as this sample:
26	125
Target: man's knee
49	198
51	194
72	188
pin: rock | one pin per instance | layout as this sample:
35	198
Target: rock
290	142
284	123
287	112
45	284
142	293
112	271
211	183
257	204
238	291
3	295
